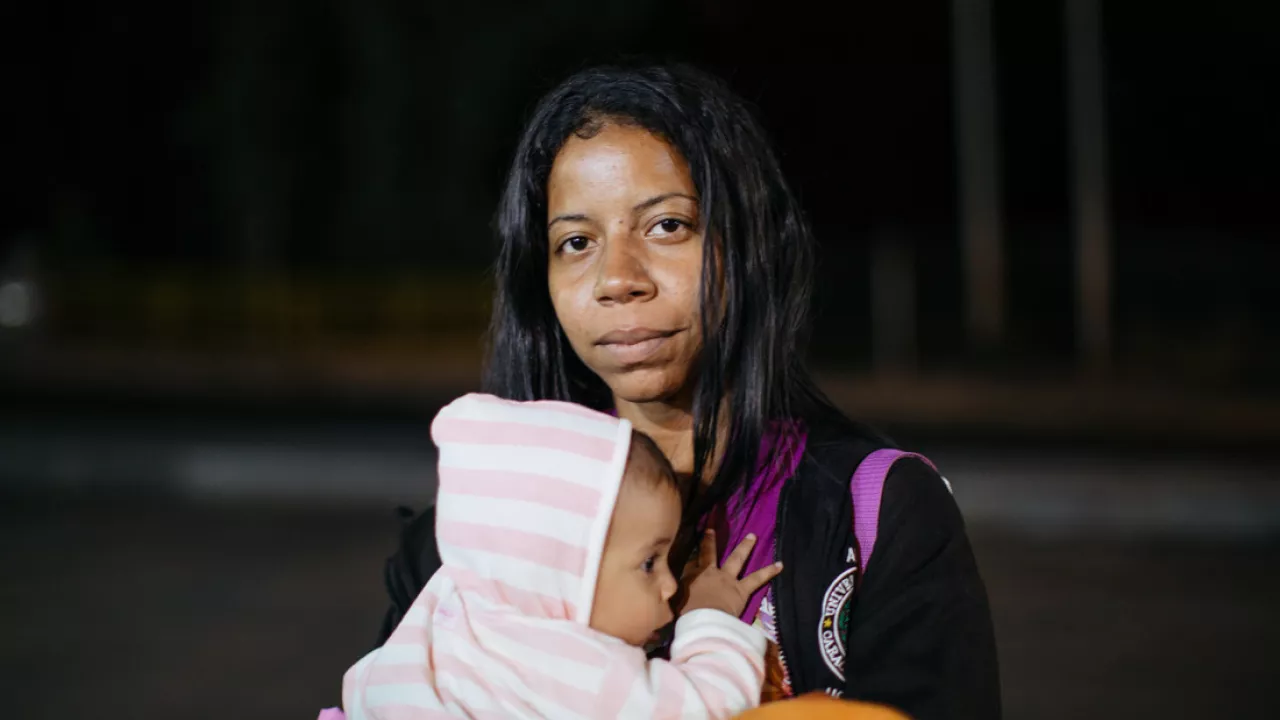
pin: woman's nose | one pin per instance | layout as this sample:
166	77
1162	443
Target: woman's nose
623	275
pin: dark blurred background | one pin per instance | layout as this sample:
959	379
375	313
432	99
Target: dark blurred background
244	253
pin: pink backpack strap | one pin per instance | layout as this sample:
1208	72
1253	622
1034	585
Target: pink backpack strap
866	488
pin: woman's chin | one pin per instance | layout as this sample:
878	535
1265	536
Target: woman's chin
646	385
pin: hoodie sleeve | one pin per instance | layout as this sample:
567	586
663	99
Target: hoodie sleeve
716	671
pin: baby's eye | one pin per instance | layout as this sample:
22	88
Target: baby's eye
649	564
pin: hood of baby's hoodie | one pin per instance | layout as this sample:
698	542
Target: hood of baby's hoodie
526	494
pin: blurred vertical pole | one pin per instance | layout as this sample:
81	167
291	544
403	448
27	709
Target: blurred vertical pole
978	157
250	95
893	304
373	124
1089	189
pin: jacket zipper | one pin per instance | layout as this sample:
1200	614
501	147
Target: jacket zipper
773	589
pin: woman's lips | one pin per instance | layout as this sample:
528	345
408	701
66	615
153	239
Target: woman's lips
631	346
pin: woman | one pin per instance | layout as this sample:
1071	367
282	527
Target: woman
654	262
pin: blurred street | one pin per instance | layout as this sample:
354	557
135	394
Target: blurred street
200	563
169	609
1007	469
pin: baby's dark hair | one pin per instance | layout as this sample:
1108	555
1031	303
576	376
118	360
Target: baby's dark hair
666	475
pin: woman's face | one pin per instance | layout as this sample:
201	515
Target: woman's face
625	244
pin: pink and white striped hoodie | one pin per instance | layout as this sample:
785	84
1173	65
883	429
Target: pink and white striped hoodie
526	494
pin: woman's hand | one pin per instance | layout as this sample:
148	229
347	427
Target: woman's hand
718	588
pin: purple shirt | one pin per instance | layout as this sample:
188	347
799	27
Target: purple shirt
754	509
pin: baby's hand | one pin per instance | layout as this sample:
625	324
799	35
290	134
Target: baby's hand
719	588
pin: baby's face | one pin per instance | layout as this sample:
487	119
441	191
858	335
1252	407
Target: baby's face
635	586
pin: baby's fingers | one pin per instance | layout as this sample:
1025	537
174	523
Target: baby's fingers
759	578
738	558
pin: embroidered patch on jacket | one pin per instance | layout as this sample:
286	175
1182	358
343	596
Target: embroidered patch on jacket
835	621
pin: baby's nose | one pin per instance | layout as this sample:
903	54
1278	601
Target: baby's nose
669	586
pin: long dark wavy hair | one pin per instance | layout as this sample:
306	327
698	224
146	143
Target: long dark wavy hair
758	262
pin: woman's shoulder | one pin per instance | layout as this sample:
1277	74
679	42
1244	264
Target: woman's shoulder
836	443
847	459
834	447
918	499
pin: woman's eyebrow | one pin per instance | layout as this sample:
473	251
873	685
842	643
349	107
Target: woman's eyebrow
575	217
641	207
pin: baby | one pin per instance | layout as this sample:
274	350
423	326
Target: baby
554	524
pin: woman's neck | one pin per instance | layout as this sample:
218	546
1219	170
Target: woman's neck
670	424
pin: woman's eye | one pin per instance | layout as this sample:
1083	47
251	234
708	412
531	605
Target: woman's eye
649	564
575	244
670	226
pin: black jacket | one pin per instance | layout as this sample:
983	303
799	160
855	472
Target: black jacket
917	632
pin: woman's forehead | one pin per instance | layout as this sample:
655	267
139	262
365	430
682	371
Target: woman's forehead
619	166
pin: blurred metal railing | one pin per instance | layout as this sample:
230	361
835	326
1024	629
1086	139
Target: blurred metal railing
1182	310
184	308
